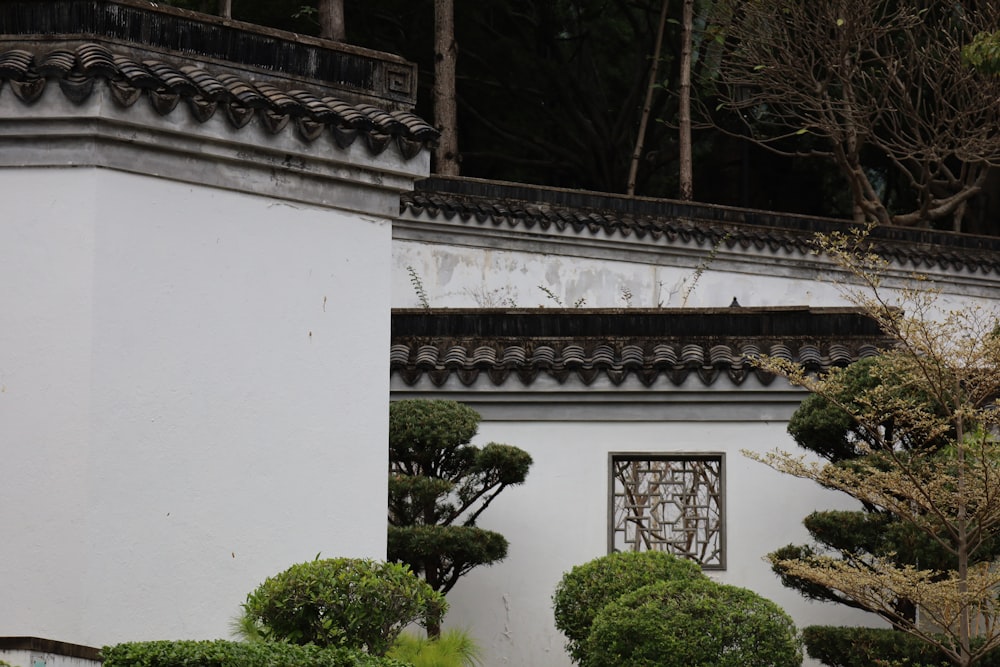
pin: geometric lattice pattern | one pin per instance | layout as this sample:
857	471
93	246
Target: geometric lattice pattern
670	503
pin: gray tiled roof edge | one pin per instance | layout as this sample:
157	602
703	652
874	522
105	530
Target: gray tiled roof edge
533	207
497	346
26	73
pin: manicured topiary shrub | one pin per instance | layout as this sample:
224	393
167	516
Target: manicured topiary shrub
694	623
439	484
586	589
868	647
236	654
348	602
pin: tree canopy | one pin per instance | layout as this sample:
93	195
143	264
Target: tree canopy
439	485
822	426
924	425
883	90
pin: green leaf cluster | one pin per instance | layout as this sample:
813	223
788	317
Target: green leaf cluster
693	623
439	484
983	52
819	425
347	602
585	590
221	653
455	550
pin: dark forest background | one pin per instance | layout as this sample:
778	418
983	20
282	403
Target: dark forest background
550	92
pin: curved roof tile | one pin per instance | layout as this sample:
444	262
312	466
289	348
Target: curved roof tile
494	346
78	70
511	205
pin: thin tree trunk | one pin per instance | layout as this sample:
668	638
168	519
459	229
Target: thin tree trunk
446	156
226	9
331	20
964	616
431	568
648	104
684	112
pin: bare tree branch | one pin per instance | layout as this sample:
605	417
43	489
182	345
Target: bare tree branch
871	76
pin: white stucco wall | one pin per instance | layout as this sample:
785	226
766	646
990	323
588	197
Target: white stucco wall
469	265
558	519
193	390
470	277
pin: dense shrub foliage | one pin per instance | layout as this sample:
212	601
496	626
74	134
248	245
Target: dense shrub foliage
693	623
236	654
586	589
348	602
872	647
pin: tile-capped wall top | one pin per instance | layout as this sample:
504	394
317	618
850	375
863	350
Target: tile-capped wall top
530	208
205	93
500	346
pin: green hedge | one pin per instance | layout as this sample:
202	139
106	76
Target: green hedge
221	653
693	623
865	647
586	589
351	602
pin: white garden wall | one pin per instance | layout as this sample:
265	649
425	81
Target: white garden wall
177	419
193	378
503	246
559	517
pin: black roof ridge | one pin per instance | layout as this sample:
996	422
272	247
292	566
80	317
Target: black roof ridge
736	322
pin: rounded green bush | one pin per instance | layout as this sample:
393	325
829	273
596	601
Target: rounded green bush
696	623
586	589
348	602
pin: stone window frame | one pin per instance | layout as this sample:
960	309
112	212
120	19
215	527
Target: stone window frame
717	563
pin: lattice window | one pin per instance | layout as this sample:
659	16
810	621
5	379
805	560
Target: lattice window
670	502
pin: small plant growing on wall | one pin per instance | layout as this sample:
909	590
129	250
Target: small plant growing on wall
439	484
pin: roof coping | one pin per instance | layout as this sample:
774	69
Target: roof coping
650	345
376	77
656	323
530	204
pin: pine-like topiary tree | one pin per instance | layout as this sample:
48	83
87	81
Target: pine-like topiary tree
439	484
822	426
928	461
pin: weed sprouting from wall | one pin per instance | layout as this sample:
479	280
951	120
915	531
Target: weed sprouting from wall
500	297
579	303
418	287
701	268
551	295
